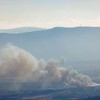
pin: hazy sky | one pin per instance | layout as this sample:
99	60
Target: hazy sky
49	13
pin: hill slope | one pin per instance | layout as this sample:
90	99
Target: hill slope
20	30
75	44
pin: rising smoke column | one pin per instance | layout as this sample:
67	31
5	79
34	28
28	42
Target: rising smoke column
56	74
18	65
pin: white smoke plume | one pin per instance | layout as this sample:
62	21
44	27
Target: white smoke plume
19	65
16	64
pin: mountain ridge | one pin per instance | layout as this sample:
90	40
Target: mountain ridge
73	41
19	30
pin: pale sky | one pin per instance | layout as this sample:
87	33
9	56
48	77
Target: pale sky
49	13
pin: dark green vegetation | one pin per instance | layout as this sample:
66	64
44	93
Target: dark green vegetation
70	93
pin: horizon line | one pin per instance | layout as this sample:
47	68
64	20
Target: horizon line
47	27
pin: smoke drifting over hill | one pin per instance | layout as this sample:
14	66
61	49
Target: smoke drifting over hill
19	65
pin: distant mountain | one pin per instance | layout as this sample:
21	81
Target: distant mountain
20	30
74	44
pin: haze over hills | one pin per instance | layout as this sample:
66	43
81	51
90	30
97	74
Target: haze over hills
49	50
20	30
79	44
74	44
23	75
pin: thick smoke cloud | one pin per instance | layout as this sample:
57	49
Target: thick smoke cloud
19	65
16	64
